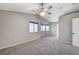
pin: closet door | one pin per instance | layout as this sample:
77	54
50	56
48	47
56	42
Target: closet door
75	32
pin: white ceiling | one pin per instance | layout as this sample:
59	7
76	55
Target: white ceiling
34	8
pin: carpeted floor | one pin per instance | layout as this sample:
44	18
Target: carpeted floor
44	46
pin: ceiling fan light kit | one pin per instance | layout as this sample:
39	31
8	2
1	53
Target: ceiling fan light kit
42	13
44	10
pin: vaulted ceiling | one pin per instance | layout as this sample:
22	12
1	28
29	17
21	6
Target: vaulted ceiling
57	9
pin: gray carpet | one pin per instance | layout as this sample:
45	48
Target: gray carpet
44	46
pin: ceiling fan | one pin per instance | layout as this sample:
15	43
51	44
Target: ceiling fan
44	10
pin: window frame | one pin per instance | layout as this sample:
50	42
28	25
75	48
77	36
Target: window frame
42	27
48	29
45	27
34	26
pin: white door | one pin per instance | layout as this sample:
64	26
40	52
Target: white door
75	32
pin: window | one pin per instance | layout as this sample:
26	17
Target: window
42	27
47	28
33	27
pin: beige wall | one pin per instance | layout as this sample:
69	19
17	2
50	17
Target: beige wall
14	28
65	27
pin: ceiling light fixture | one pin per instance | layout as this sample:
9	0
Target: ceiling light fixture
44	10
42	13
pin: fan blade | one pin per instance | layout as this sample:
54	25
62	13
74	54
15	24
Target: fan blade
45	9
49	13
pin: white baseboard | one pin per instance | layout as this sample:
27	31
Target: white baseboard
16	44
66	42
